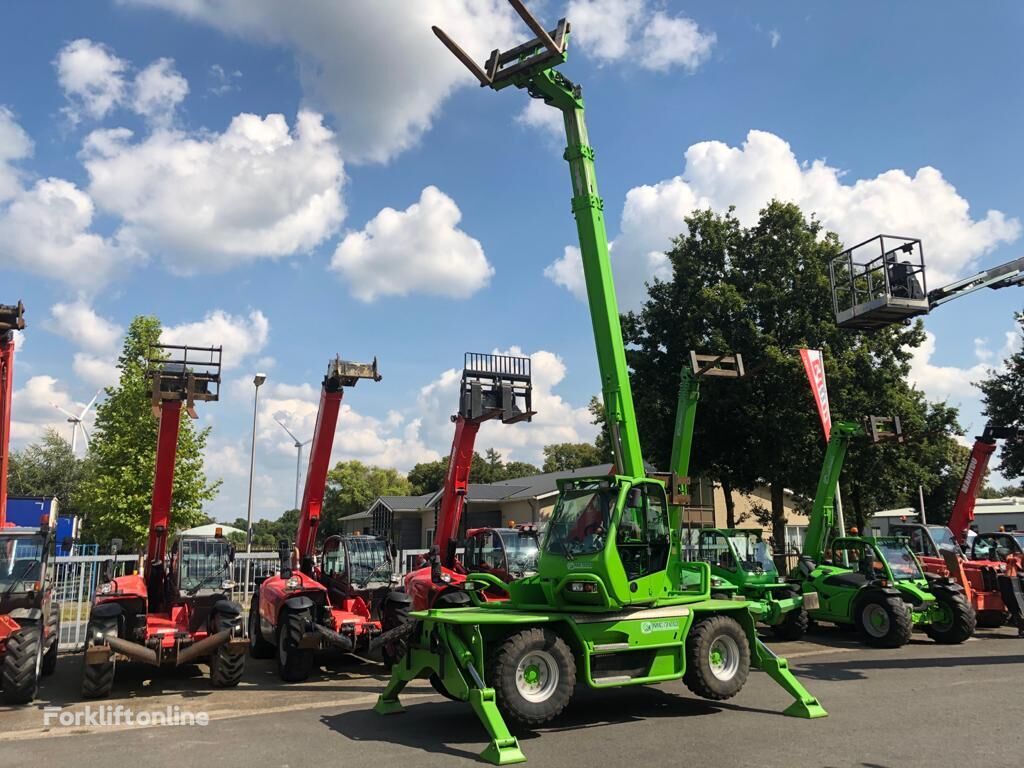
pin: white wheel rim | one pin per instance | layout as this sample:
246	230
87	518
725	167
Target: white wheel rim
536	676
724	657
875	620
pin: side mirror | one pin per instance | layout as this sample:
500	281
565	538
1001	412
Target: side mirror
107	571
115	546
231	553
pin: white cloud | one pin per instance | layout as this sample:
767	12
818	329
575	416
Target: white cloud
775	37
222	81
546	119
14	145
241	337
211	201
46	230
92	77
375	67
158	89
608	30
79	323
418	250
764	167
96	370
944	382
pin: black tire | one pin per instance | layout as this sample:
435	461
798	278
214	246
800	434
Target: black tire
259	648
991	619
533	674
294	664
794	623
98	679
961	619
22	666
717	658
883	621
226	668
53	638
396	615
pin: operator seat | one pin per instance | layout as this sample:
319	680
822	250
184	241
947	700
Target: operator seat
806	564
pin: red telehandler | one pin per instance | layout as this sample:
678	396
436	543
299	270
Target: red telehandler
179	611
992	586
493	386
29	616
309	605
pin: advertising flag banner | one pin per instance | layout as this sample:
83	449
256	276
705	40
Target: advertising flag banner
814	365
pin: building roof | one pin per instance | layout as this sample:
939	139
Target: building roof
1008	505
523	488
405	503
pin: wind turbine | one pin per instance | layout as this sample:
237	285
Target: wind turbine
298	459
77	422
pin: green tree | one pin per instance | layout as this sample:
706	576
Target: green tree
427	476
48	468
517	469
117	491
351	487
1003	395
603	441
565	457
764	291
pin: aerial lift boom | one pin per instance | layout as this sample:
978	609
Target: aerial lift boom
12	318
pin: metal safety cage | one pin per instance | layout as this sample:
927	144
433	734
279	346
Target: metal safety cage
879	282
186	373
728	366
496	386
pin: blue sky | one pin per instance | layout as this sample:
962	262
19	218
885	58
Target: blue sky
271	235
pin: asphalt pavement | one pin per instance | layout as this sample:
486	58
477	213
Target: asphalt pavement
921	705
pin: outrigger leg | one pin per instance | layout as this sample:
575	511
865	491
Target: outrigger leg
777	668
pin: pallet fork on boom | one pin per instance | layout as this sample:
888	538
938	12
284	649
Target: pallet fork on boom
180	609
492	387
29	615
612	600
334	603
740	559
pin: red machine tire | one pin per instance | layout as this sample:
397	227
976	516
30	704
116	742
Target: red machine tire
259	648
98	679
294	664
226	669
961	623
53	638
22	665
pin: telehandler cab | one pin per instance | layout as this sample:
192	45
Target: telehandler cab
29	616
875	584
612	604
180	609
335	603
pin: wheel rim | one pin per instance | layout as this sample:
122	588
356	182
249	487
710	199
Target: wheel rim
724	657
875	620
536	676
943	619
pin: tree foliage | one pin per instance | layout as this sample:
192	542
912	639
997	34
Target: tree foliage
351	487
1003	396
427	477
763	291
116	493
48	468
565	457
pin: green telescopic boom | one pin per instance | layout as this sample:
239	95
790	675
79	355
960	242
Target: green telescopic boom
531	66
823	513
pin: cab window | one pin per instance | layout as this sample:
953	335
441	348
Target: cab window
713	548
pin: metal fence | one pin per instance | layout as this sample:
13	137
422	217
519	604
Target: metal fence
76	578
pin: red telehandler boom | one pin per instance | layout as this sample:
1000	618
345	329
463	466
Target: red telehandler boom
29	616
992	586
179	611
309	605
493	387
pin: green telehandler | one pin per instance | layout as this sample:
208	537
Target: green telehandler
740	559
613	603
873	583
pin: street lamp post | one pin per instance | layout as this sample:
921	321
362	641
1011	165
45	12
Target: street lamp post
257	380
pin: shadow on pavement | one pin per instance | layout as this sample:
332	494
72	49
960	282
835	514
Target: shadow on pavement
855	670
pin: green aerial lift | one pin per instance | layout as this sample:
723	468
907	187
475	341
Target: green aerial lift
740	559
612	603
873	583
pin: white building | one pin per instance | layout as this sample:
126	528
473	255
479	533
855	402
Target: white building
989	514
